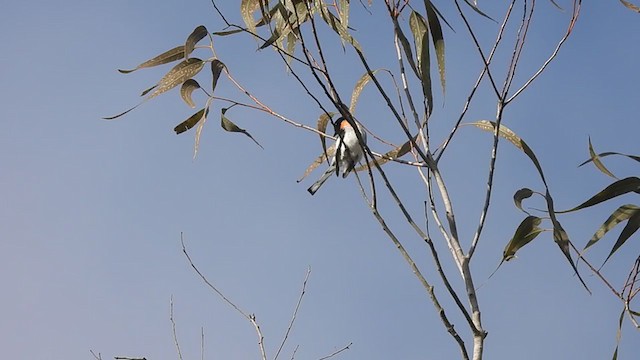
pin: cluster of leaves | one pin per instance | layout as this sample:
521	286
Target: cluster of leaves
182	75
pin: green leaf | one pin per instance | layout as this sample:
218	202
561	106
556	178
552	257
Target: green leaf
406	47
187	89
621	214
344	12
630	5
228	125
357	90
191	121
396	153
618	188
597	162
216	69
509	135
618	334
476	9
247	8
198	34
177	75
561	238
609	153
632	226
520	195
438	39
226	32
166	57
148	90
420	31
336	25
528	230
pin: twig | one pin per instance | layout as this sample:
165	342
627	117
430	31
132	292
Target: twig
97	357
173	328
336	352
251	318
295	313
128	358
201	343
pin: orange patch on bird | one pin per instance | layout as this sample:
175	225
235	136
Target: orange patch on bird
344	124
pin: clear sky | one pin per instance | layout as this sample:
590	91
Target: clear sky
91	211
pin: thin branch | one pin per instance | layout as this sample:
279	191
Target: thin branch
295	313
336	352
97	357
251	318
574	17
173	328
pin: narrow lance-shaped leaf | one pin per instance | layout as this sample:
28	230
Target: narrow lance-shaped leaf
406	47
228	125
357	90
618	188
609	153
520	195
630	6
396	153
216	70
561	238
344	13
438	39
187	89
596	161
166	57
198	34
527	231
632	226
191	121
621	214
337	26
420	32
323	121
177	75
476	9
618	334
331	150
511	136
247	8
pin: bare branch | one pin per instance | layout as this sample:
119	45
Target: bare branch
336	352
295	313
173	328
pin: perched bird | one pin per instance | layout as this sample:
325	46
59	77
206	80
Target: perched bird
348	152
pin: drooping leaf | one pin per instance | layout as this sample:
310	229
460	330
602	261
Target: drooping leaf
357	90
528	230
187	89
287	21
344	12
198	34
247	8
632	226
331	150
228	125
609	153
396	153
561	238
191	121
148	90
438	40
166	57
621	214
618	334
476	9
323	121
630	5
177	75
509	135
216	69
520	195
337	26
596	161
124	112
620	187
226	32
406	47
420	31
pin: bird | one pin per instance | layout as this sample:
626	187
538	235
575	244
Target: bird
348	152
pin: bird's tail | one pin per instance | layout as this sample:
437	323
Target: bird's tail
316	185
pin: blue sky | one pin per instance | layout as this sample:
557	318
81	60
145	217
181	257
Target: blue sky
92	210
